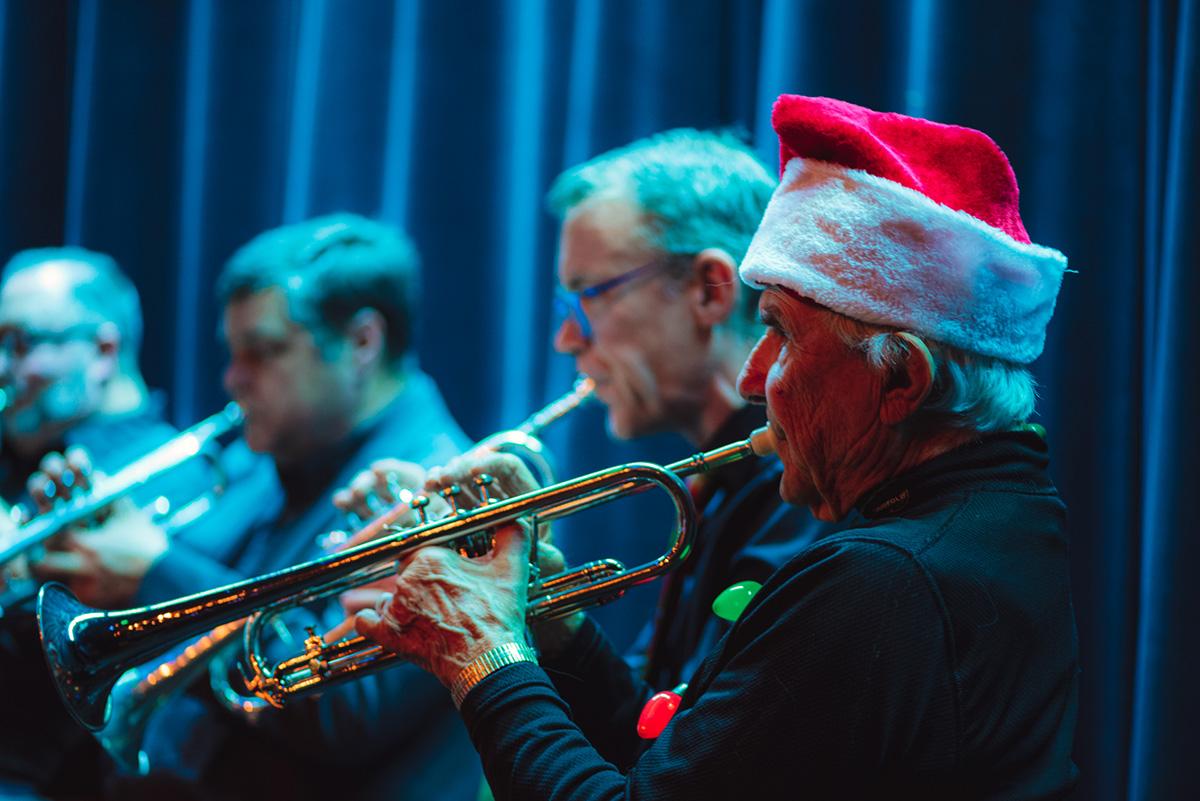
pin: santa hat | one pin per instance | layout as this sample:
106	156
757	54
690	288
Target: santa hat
905	223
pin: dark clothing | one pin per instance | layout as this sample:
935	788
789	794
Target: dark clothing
48	741
927	651
746	534
378	736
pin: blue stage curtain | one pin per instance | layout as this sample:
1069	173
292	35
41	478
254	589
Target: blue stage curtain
167	133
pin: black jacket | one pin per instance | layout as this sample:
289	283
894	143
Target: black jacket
927	651
746	533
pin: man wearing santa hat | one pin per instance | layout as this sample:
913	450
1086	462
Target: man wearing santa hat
928	649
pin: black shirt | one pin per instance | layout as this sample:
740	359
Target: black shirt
746	533
927	651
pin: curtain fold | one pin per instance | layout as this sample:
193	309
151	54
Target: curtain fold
169	133
1166	698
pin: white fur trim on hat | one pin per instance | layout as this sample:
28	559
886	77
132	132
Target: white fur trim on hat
882	253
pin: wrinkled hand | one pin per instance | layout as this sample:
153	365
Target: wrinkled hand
445	610
104	566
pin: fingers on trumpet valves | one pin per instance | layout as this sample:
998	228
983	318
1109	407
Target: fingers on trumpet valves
450	494
50	483
379	488
60	476
79	467
420	507
483	483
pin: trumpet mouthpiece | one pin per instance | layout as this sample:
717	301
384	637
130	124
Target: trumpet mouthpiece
762	441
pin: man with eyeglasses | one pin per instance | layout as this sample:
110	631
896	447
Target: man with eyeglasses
70	330
653	311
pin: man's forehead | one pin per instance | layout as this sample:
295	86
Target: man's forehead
601	239
781	301
259	315
44	295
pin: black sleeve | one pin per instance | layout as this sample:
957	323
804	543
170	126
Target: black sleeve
604	694
834	666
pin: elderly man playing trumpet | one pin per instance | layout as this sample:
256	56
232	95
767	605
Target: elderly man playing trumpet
927	650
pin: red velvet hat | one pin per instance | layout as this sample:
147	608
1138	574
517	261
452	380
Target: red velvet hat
906	223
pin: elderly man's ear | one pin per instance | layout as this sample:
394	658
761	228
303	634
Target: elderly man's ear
909	382
715	291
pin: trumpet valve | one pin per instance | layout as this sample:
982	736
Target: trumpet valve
450	495
419	504
482	482
314	651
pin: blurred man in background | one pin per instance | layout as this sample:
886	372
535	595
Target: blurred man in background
319	318
70	331
653	311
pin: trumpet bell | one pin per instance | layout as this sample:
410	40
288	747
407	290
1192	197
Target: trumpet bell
84	691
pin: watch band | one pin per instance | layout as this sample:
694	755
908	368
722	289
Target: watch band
486	663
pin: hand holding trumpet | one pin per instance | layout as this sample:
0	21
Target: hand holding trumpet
385	604
105	562
444	609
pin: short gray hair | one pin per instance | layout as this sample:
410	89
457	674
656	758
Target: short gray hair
696	190
104	292
970	391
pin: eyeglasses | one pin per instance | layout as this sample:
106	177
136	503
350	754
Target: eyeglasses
17	343
569	305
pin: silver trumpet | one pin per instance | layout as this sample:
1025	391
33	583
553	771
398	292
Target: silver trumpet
88	649
107	489
142	690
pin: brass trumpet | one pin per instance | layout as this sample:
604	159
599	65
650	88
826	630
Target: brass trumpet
88	649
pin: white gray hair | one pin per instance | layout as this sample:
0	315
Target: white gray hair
972	392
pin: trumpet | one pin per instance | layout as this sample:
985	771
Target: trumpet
141	691
88	649
108	489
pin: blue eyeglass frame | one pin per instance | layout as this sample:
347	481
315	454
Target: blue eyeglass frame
568	304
